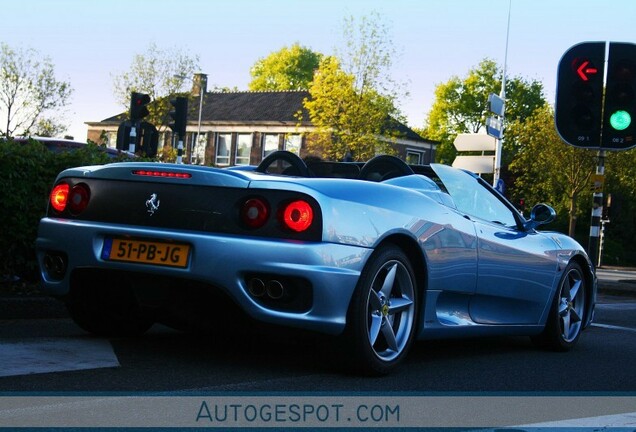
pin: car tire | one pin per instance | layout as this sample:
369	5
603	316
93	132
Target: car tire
107	312
565	322
382	316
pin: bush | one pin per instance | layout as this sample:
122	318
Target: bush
27	173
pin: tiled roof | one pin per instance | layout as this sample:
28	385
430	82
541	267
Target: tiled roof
254	106
280	106
268	106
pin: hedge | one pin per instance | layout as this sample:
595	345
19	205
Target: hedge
27	173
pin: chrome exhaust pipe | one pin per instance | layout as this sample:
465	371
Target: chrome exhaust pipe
256	287
55	265
275	289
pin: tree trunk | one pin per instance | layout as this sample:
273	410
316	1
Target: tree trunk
572	212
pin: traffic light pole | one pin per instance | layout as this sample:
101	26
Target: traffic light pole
180	151
597	214
133	139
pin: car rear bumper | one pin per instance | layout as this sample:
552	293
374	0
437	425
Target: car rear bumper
220	261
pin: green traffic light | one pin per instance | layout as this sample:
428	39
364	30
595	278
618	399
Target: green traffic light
620	120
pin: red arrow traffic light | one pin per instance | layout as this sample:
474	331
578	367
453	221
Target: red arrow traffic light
584	70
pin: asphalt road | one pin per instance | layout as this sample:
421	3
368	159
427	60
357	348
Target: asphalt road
164	360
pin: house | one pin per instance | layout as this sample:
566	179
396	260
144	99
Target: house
241	128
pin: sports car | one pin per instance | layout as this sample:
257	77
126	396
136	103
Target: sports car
377	254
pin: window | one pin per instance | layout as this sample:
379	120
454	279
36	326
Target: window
243	149
198	154
270	144
413	157
474	199
223	146
293	143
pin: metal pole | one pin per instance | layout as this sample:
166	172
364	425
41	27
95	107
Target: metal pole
597	213
133	139
180	151
200	112
499	141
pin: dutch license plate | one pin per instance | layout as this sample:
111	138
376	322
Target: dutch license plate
146	252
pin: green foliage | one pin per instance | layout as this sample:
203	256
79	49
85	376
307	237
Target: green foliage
353	96
159	73
548	170
369	54
620	183
27	173
460	106
345	120
28	90
287	69
48	128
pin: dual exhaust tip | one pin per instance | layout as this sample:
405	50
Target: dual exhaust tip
273	289
55	265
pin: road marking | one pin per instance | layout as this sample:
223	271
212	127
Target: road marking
608	421
24	357
613	327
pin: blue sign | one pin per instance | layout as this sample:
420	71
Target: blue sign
494	126
501	186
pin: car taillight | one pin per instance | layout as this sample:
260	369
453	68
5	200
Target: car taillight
254	213
59	197
163	174
298	216
78	198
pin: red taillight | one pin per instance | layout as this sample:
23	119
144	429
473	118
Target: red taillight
298	216
59	197
254	213
78	198
164	174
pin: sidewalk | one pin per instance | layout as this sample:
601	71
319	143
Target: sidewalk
621	280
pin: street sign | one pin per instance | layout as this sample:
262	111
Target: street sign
474	142
494	127
501	186
476	164
596	183
496	105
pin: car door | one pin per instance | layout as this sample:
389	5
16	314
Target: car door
516	268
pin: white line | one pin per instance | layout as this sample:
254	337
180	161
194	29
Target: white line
613	327
608	421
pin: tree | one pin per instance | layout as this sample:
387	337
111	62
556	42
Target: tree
287	69
28	89
460	106
159	73
345	120
47	127
620	183
548	170
353	99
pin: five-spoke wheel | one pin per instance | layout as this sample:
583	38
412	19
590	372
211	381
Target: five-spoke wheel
565	322
383	312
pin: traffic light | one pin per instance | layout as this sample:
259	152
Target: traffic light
180	116
147	138
138	106
579	95
619	116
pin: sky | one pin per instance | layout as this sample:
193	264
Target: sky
91	41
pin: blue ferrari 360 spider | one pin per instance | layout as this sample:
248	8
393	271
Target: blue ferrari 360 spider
379	254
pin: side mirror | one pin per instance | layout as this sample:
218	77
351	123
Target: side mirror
541	214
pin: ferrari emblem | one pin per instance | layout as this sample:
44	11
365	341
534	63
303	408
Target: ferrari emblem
152	204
